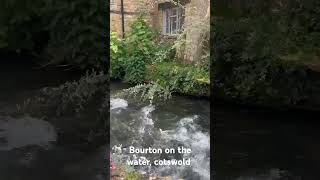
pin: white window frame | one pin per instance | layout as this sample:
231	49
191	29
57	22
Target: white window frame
113	4
170	15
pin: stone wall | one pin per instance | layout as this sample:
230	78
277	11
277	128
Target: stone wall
132	9
197	24
197	19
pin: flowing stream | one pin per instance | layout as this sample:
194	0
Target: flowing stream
179	122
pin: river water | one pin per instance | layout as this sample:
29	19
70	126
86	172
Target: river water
28	145
260	144
179	122
250	143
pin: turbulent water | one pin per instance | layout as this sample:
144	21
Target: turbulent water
179	122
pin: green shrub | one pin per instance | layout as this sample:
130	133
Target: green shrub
77	33
181	78
59	32
133	176
78	109
248	64
139	49
129	57
117	70
67	99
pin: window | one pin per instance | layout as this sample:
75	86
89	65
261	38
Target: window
173	20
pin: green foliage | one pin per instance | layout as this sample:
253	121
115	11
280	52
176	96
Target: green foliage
171	77
148	92
115	45
249	64
142	57
165	51
77	103
181	78
20	24
140	39
67	99
117	57
137	49
133	176
61	32
76	31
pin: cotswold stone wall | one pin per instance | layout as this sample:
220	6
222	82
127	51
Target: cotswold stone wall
197	19
197	24
132	8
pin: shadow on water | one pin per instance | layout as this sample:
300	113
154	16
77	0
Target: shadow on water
28	148
265	144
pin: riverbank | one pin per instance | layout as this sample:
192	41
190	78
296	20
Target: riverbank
299	89
30	143
267	55
187	79
147	57
178	78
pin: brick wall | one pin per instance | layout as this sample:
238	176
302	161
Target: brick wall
195	11
132	8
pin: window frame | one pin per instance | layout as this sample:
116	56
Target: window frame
173	20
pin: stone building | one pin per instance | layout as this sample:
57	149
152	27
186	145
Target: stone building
167	17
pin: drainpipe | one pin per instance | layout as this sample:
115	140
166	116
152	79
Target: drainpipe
122	18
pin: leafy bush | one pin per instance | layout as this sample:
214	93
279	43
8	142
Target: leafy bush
248	64
77	33
148	92
20	25
60	32
142	57
133	176
117	57
180	78
78	109
137	50
165	51
67	99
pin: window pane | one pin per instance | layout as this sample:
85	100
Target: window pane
173	25
173	20
167	24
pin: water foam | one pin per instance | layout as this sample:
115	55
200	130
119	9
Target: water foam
146	120
116	103
187	133
21	132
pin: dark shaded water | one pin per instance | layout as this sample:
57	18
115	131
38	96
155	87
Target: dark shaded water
255	144
28	149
